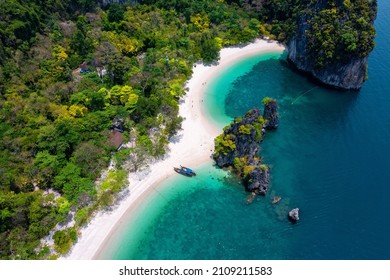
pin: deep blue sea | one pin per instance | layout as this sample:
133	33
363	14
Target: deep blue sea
330	157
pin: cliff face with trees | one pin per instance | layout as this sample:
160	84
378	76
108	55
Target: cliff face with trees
333	40
328	39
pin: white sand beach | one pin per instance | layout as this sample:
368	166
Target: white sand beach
193	145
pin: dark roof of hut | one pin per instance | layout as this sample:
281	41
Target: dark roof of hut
116	139
84	66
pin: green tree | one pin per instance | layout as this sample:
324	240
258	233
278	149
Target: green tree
48	165
90	158
210	47
72	185
116	12
64	239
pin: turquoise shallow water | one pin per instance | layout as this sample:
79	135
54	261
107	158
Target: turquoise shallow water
203	218
217	106
330	157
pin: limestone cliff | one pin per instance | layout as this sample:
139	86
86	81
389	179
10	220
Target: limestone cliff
332	41
271	113
240	139
238	146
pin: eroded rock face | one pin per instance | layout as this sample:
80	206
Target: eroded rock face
349	72
271	114
258	180
348	76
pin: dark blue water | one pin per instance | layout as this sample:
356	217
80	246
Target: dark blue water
330	157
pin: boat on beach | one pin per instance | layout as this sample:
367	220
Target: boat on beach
185	171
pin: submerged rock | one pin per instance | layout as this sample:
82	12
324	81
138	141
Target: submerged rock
276	199
293	215
250	198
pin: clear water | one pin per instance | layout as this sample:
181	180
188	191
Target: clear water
330	157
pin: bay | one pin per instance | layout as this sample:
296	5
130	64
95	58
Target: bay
329	157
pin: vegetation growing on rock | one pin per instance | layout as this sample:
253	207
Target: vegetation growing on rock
238	145
332	41
340	30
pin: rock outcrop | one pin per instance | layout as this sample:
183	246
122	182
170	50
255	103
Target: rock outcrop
293	215
271	113
258	180
238	146
240	139
349	76
344	64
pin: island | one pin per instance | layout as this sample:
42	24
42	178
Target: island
238	146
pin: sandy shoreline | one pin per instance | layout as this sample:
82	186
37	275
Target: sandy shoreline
192	146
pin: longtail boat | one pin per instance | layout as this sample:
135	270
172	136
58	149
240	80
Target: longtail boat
185	171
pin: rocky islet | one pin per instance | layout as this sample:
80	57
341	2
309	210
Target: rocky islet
238	146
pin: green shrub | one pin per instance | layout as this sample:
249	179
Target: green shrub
248	169
267	100
245	129
224	144
115	181
64	239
